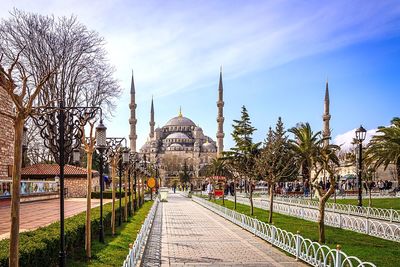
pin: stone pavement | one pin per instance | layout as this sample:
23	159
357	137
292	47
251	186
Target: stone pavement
194	236
41	213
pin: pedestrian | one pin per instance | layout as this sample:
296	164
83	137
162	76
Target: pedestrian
209	190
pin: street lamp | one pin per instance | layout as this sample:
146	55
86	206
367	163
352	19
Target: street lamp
101	146
123	160
360	137
76	155
59	127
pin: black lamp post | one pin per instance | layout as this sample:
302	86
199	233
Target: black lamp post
360	137
123	160
52	122
76	155
101	145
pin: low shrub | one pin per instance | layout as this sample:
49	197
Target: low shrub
108	194
40	247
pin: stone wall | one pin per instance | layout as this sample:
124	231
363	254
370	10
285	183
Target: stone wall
77	186
6	135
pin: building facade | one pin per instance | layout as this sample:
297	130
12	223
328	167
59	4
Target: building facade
6	135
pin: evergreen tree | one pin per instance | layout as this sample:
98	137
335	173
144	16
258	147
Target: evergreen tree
242	155
276	161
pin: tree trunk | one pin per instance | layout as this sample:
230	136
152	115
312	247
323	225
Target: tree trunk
88	204
15	194
126	186
271	202
251	199
321	221
113	179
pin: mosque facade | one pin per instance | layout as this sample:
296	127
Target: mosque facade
180	141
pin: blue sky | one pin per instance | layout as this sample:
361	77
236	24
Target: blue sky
276	56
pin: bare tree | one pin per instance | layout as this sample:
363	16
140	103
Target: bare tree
84	77
23	92
325	160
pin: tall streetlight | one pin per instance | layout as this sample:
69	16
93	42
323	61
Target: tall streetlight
52	124
123	160
101	146
360	137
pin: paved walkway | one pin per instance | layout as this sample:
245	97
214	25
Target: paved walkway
195	236
41	213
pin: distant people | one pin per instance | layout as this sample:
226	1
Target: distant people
209	190
232	188
306	188
174	188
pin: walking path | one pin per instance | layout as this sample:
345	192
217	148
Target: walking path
193	236
41	213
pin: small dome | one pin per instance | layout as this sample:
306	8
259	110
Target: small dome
180	121
176	145
177	135
198	129
158	129
208	146
145	146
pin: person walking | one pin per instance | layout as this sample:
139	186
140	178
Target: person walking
209	190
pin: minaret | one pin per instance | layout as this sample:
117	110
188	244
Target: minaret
152	123
326	116
132	119
220	118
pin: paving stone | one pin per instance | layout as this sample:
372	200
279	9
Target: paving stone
41	213
194	236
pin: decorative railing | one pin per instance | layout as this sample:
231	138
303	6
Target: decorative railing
390	215
381	229
136	250
302	248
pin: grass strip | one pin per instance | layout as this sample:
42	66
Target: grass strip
367	248
113	252
383	203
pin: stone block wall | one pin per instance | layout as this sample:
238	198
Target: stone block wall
6	134
77	186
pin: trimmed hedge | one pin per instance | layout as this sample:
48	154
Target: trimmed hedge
40	247
108	195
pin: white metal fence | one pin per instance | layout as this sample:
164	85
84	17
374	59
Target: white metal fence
390	215
365	225
302	248
136	251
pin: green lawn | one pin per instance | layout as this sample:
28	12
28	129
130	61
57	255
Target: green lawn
115	249
378	251
384	203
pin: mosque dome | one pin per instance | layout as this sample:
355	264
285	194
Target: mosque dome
180	121
177	135
208	146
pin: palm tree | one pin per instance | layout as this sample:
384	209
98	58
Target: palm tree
384	147
305	146
312	154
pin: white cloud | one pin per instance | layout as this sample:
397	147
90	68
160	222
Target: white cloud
345	140
176	46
